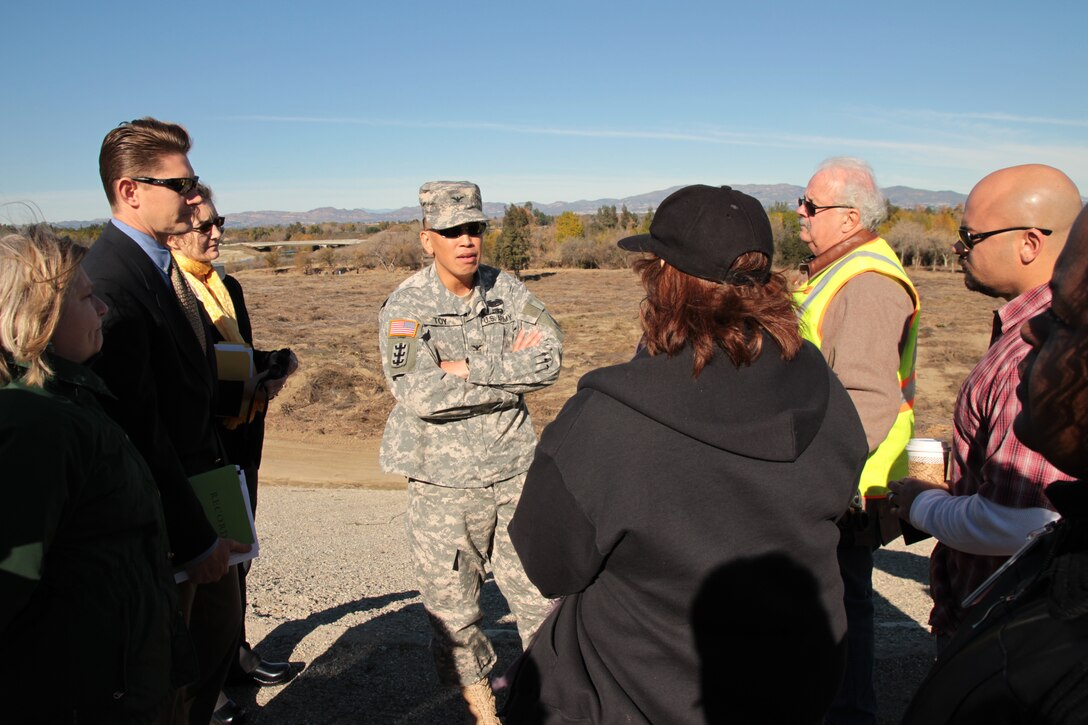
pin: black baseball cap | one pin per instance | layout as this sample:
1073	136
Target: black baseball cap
701	230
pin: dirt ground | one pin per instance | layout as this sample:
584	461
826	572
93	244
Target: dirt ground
330	322
321	460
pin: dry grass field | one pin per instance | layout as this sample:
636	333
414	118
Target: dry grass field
339	393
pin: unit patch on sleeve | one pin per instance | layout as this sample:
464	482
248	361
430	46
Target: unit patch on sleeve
534	313
402	355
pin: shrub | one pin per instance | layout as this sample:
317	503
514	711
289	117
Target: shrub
304	261
582	253
273	257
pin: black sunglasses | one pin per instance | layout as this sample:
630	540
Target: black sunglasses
811	208
969	240
206	227
181	185
473	229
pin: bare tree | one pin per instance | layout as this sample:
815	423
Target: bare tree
327	257
909	239
304	261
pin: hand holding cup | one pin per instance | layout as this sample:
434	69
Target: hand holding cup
926	463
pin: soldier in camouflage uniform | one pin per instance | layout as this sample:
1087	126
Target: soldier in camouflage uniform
461	344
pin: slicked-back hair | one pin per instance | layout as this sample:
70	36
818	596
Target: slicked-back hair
36	270
681	310
135	147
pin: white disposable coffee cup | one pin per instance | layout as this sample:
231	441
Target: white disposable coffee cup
927	459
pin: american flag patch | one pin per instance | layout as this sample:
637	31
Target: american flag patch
403	328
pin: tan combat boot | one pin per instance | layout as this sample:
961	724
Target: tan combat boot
481	703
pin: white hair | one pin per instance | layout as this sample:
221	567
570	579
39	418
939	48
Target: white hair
854	185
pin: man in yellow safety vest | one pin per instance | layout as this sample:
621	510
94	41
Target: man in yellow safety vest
858	306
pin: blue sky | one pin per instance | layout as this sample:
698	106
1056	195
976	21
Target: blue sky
295	105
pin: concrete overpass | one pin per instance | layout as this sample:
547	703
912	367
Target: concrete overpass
311	244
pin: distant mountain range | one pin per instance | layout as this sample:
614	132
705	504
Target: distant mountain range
768	194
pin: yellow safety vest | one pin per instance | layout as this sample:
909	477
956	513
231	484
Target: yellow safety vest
889	461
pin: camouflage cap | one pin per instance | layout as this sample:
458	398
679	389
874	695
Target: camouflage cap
448	204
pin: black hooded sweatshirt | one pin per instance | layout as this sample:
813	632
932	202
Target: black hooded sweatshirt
689	525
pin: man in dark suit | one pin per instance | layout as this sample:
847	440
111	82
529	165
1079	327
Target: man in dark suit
158	362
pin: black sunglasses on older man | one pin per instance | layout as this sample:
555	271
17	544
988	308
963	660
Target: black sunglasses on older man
182	185
473	229
969	240
811	207
206	227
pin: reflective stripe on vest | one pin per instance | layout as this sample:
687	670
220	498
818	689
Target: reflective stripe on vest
889	461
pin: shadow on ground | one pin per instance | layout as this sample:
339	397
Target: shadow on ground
379	671
904	648
903	564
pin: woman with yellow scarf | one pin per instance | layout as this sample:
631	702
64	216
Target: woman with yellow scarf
242	434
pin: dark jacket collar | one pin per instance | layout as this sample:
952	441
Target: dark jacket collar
814	265
66	372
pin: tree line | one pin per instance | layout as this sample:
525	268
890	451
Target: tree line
921	236
526	237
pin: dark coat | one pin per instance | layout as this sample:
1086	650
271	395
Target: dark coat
87	600
689	524
1021	655
245	443
165	385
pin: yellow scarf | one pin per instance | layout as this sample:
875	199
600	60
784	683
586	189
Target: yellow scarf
213	295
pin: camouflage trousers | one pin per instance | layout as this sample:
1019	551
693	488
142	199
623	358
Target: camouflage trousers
453	532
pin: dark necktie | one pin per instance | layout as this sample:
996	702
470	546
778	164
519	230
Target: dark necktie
995	332
188	303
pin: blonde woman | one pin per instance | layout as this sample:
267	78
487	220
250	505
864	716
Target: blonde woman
242	435
87	600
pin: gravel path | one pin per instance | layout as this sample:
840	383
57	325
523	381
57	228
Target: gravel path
333	588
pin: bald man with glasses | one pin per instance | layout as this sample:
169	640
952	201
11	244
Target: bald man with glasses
1015	224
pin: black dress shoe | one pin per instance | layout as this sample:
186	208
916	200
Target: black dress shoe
267	674
230	714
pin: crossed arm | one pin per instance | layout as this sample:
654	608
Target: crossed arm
436	389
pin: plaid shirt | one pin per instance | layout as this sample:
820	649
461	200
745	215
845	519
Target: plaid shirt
987	457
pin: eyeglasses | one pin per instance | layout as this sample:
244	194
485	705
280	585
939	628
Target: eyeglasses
206	227
182	185
473	229
811	208
969	240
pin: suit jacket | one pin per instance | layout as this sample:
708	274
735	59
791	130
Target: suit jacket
164	383
244	443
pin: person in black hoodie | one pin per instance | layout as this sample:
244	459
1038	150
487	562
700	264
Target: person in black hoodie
683	504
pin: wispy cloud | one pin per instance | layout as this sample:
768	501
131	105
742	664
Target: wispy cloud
723	136
1004	118
961	146
706	136
713	137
